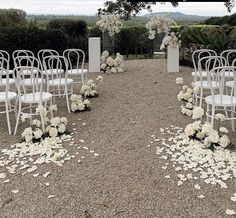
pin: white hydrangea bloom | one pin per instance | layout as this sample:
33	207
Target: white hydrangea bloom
198	112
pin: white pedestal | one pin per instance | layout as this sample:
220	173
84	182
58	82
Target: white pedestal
94	54
173	59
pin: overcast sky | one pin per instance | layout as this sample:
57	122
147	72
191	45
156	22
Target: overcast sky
89	7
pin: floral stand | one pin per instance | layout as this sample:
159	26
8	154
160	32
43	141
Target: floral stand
173	59
94	54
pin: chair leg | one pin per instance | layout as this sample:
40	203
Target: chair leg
207	113
18	118
67	99
213	115
51	111
7	106
232	118
201	94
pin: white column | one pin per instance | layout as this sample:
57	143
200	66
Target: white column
173	59
94	54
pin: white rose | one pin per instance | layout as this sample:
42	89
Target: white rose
223	130
113	70
38	133
189	131
64	120
61	128
224	141
198	112
55	121
220	117
36	122
214	136
25	116
53	107
53	132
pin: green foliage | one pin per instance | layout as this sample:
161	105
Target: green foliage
230	20
12	17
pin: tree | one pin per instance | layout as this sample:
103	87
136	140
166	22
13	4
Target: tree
128	9
11	17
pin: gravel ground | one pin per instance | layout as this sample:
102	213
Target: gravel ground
126	180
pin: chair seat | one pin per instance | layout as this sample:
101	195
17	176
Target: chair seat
35	98
53	71
206	84
28	72
10	96
3	82
77	71
230	84
227	100
56	82
229	74
30	82
203	74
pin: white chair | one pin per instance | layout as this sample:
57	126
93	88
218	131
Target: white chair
6	96
33	97
218	100
230	84
58	83
25	62
5	54
44	53
196	56
76	56
207	63
230	56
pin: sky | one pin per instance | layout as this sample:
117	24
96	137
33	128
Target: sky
89	7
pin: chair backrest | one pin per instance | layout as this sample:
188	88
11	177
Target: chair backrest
35	76
209	62
198	54
27	61
76	58
45	52
4	72
220	75
56	67
18	53
5	54
230	56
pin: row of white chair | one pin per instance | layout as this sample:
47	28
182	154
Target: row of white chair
37	81
215	77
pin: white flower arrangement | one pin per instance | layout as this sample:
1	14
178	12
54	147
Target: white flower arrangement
110	65
89	88
79	103
54	127
110	23
205	133
158	24
186	96
171	39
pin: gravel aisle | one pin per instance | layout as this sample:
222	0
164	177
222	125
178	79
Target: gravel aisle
126	180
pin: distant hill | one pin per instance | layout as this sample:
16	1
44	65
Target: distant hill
228	19
178	16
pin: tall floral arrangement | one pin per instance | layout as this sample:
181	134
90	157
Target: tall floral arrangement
110	23
171	39
110	65
158	24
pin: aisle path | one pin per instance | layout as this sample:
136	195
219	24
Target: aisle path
126	180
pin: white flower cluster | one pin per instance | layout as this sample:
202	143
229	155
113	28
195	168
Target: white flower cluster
186	96
110	23
110	65
89	88
54	126
79	103
207	135
171	39
158	24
